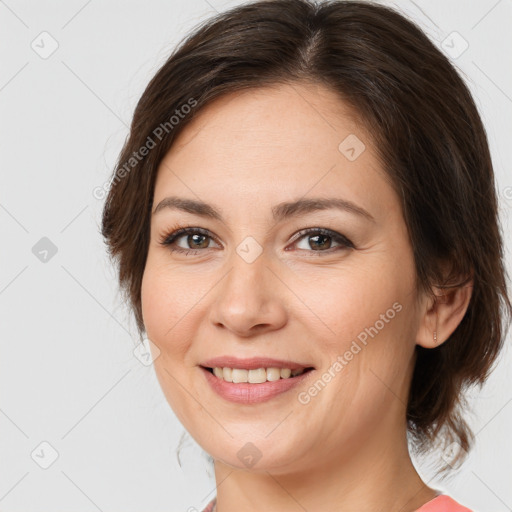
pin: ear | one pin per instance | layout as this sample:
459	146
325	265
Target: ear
442	314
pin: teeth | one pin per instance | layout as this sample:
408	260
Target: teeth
239	375
256	376
285	373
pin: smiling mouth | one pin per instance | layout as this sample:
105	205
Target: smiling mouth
256	376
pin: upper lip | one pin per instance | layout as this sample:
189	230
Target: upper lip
252	363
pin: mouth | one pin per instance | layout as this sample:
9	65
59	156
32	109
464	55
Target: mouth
256	375
251	386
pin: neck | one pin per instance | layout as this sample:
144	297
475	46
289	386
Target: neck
374	476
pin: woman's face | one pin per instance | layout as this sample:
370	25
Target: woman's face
342	301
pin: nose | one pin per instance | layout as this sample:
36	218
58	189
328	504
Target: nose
250	299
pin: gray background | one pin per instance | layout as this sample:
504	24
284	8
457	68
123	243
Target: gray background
68	375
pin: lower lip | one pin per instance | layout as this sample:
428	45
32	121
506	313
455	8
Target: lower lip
245	393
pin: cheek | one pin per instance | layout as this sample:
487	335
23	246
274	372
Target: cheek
353	300
152	301
370	315
173	306
164	313
370	353
164	305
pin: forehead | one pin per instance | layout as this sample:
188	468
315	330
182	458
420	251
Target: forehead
278	142
275	117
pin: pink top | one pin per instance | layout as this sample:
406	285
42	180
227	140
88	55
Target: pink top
441	503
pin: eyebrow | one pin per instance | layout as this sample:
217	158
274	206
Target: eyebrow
279	212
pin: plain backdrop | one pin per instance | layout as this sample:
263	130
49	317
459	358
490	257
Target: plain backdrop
84	425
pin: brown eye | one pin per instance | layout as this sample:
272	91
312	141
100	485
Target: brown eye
195	239
321	240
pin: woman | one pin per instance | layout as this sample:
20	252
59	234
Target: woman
305	222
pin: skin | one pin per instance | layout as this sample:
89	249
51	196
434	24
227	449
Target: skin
345	449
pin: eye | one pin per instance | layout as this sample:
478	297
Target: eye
195	239
320	237
198	239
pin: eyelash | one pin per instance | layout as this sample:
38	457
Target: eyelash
170	238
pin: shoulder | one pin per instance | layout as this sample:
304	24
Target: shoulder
443	503
210	506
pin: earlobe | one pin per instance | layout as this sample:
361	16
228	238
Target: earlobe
442	315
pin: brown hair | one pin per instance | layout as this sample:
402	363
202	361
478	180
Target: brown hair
424	125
